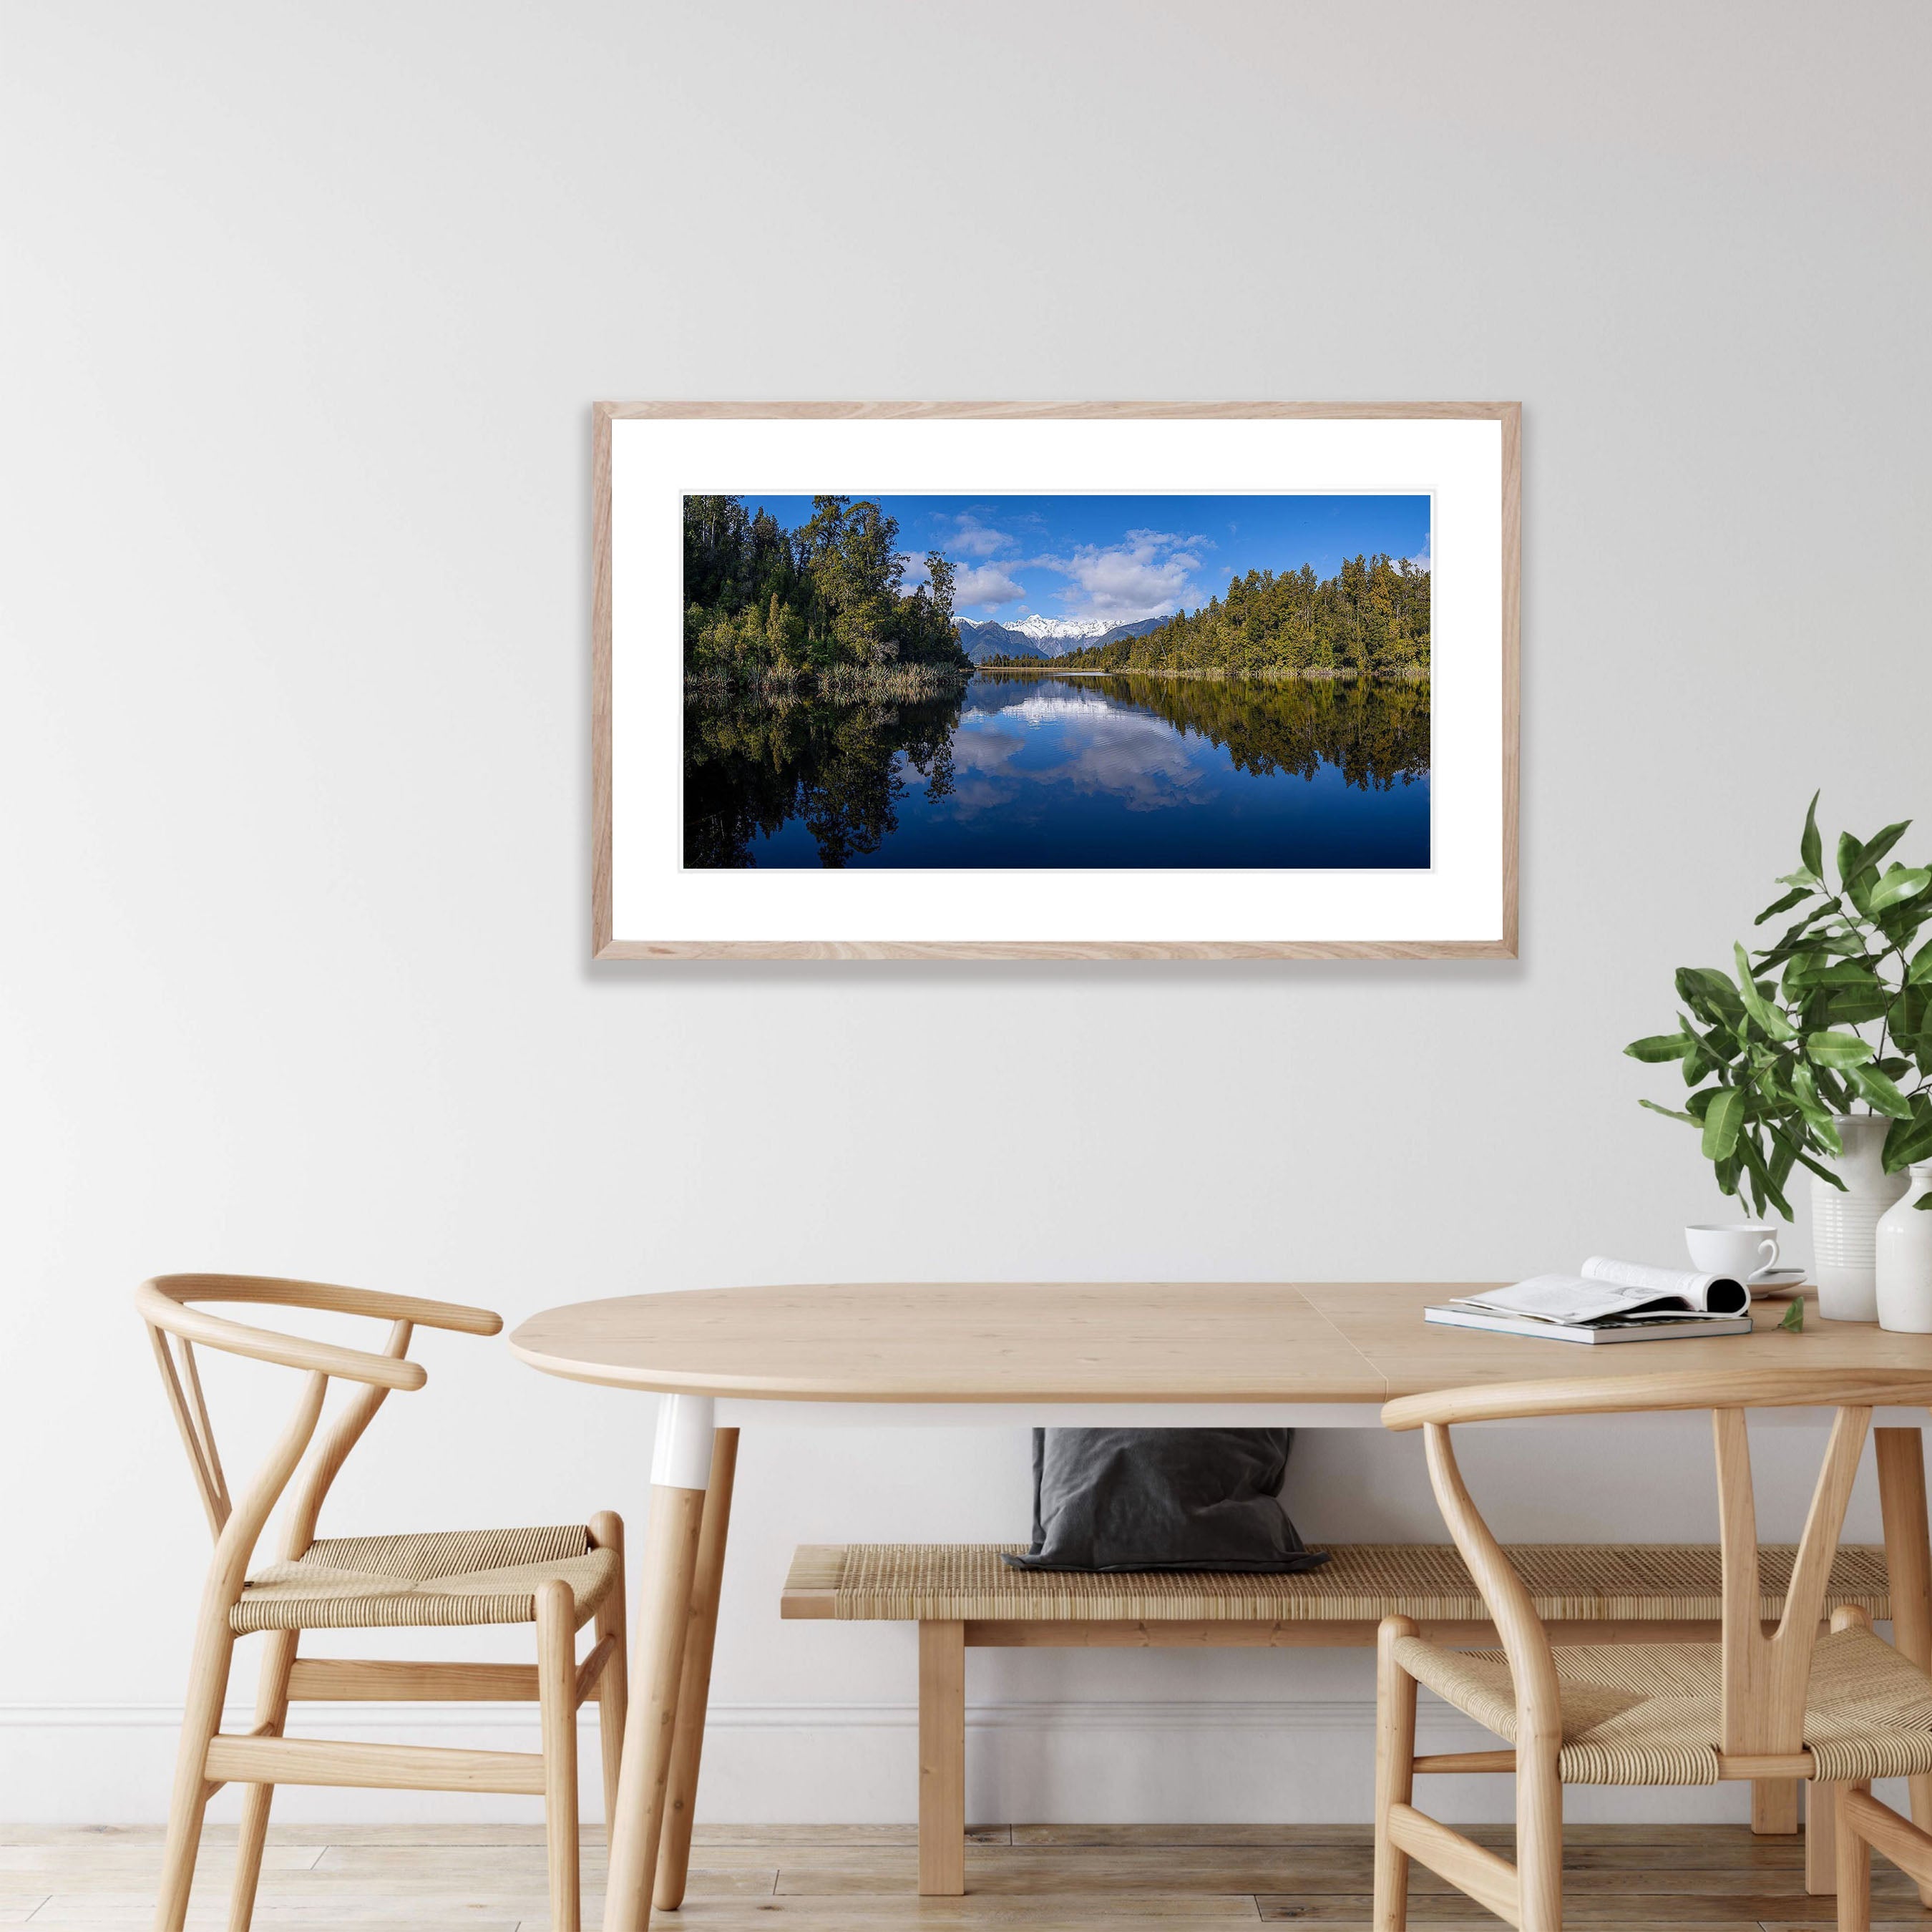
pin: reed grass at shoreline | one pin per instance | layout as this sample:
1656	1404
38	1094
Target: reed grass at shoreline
840	681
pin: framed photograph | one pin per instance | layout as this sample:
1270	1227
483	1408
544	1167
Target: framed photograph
1020	681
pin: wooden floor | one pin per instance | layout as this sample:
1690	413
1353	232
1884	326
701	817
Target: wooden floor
1051	1878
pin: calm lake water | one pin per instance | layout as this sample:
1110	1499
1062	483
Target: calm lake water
1029	769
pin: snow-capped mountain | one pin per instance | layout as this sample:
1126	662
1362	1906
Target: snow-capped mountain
981	641
1072	629
1044	636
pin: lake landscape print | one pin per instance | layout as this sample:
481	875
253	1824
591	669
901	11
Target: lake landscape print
1073	681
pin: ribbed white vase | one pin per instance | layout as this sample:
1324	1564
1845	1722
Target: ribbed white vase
1844	1224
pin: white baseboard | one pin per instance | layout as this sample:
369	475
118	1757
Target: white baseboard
1200	1762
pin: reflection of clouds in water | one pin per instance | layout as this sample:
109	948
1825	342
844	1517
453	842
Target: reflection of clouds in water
1038	708
1147	768
982	794
1140	760
982	756
982	750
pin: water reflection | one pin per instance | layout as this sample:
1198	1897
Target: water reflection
1022	769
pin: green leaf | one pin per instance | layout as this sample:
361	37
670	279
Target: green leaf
1783	1156
1790	899
1769	1019
1899	923
1763	1186
1710	996
1704	1059
1833	1092
1898	884
1797	967
1850	858
1882	1096
1838	1049
1804	1085
1671	1113
1910	1140
1810	852
1798	1154
1875	849
1723	1119
1842	973
1794	1316
1921	968
1660	1046
1853	1009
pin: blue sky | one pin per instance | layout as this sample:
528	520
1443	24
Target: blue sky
1124	558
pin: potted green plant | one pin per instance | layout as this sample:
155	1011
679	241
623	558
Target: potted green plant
1817	1051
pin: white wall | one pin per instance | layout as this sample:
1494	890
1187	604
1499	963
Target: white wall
307	308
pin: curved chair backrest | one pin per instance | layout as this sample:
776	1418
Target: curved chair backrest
1765	1678
167	1305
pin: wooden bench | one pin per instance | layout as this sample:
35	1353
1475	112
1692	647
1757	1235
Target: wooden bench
962	1597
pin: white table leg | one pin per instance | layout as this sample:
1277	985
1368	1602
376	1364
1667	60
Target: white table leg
694	1696
680	1471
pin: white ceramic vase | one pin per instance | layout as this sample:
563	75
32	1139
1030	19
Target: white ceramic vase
1904	1240
1844	1224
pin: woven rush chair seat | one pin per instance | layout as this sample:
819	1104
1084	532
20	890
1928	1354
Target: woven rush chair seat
1651	1714
1362	1581
438	1579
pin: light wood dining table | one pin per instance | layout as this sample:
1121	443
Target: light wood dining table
1167	1354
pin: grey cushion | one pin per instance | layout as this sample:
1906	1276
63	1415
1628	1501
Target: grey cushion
1162	1499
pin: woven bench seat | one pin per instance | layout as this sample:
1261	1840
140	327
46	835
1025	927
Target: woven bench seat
1663	1595
1361	1582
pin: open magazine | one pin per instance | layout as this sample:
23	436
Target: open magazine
1608	1300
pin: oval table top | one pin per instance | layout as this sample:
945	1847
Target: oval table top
1116	1342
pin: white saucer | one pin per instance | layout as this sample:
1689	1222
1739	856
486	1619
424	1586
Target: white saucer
1772	1279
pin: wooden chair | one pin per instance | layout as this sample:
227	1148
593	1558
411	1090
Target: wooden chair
557	1578
1766	1702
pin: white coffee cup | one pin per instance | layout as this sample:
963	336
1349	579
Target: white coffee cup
1742	1249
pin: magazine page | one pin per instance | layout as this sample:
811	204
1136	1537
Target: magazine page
1711	1293
1607	1290
1561	1298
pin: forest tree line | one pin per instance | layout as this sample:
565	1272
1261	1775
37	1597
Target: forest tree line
1371	618
765	604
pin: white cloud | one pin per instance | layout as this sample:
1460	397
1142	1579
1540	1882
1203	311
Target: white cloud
971	538
985	583
1145	575
916	573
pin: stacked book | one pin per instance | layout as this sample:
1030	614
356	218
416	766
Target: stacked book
1608	1301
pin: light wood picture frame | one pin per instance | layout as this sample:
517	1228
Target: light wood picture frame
653	899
